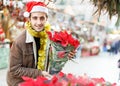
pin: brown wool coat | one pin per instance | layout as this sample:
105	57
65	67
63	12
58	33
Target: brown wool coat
22	61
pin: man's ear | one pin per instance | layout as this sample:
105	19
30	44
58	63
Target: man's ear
46	19
28	19
46	16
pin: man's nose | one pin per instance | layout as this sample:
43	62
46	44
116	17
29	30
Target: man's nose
39	21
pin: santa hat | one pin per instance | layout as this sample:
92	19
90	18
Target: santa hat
34	6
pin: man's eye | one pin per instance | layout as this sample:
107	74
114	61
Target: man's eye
35	18
42	18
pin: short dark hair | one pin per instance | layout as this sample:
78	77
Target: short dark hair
46	15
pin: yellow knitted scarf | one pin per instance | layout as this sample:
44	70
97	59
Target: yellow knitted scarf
43	42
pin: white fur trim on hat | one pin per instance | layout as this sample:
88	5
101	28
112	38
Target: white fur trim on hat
39	9
26	14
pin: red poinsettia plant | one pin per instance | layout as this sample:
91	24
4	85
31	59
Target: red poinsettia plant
62	43
63	38
62	79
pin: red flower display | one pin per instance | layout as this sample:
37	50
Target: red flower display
62	79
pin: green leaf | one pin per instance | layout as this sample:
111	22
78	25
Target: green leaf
118	22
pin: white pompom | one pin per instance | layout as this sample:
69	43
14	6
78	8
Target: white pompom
26	14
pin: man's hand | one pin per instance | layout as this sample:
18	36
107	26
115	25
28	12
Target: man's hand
71	54
46	74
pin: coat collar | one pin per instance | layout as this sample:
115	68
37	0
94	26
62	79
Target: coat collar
29	37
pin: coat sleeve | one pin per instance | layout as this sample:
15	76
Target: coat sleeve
16	67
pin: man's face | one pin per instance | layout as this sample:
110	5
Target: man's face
38	20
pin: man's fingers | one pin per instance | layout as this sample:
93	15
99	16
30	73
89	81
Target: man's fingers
49	76
46	74
71	54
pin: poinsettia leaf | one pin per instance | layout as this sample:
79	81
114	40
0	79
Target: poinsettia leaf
57	46
54	79
27	81
41	81
61	74
69	48
27	78
61	54
50	35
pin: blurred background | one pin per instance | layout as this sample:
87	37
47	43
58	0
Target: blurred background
92	23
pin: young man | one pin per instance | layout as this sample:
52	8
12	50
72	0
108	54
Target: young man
29	52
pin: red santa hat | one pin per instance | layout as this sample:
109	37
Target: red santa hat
34	6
